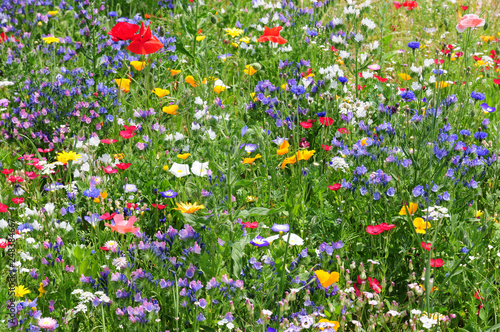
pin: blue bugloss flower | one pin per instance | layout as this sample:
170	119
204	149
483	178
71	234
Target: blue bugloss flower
477	95
342	80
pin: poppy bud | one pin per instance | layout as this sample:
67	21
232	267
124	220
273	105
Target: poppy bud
256	66
213	19
161	33
485	26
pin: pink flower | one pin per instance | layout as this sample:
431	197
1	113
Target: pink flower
123	226
438	262
374	230
469	21
47	323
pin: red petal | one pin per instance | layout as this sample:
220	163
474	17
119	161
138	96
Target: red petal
123	31
326	121
151	46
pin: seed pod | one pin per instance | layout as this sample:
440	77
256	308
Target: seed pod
161	33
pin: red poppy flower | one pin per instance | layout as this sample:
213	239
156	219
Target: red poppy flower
326	121
131	205
343	131
326	147
397	4
123	31
144	42
386	227
123	165
497	80
374	230
108	141
333	49
410	5
105	248
251	225
44	150
4	244
131	128
477	295
380	79
335	186
426	246
7	171
14	179
109	170
441	61
306	124
464	8
3	208
17	200
159	206
272	35
127	134
438	262
31	175
108	216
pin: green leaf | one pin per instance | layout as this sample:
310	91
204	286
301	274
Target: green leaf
237	254
208	329
193	219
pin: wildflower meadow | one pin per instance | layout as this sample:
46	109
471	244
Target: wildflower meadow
257	166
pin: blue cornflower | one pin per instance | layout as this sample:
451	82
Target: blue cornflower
414	45
112	14
92	193
438	71
480	135
407	95
342	80
477	95
465	132
464	250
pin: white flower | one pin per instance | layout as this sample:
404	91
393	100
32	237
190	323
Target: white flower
428	62
199	169
373	262
355	322
4	224
368	295
372	302
120	263
105	158
272	238
230	326
393	313
415	312
49	207
179	170
293	239
178	136
198	101
195	126
359	37
223	322
416	86
266	312
94	141
344	54
368	23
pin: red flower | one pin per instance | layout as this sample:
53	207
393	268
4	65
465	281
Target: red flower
374	230
426	246
397	4
251	225
7	171
109	170
333	49
335	186
410	5
17	200
31	175
272	35
464	8
306	73
131	128
105	248
497	81
380	79
4	244
477	295
44	150
108	216
108	141
127	134
123	165
144	42
374	284
159	206
307	124
386	227
131	205
14	179
3	208
326	147
438	262
343	131
326	121
123	31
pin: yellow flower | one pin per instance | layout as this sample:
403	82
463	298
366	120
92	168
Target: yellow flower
218	89
64	157
408	209
174	72
233	32
335	324
251	199
190	80
421	225
442	84
405	77
41	290
200	38
53	12
363	141
138	65
119	156
304	154
251	160
249	70
327	279
235	45
171	109
284	87
161	92
188	207
245	40
291	160
183	156
123	84
103	195
283	148
20	291
165	168
478	214
50	40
